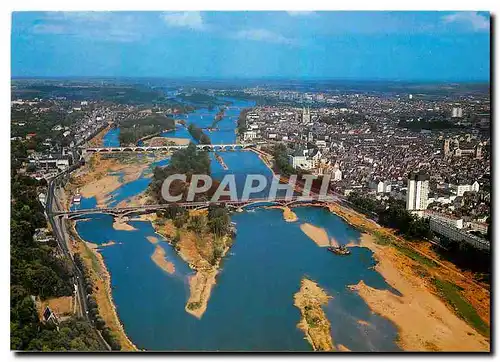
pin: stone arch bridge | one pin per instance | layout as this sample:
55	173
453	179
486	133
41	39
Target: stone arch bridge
218	148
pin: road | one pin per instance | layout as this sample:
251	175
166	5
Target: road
60	233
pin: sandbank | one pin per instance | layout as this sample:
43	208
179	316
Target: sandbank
314	323
424	321
200	287
119	224
317	234
159	258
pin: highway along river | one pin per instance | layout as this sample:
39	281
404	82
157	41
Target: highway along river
251	307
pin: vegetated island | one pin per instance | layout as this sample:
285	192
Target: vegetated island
314	323
218	117
134	129
198	135
202	238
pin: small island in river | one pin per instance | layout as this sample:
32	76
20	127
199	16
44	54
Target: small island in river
202	239
159	259
314	323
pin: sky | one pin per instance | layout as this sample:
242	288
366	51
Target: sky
413	46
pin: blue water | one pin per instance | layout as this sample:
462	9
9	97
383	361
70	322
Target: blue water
111	138
179	132
133	188
240	164
85	203
203	118
251	307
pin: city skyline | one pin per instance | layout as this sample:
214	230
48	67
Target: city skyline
405	46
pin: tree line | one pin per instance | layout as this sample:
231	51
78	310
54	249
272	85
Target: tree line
217	222
94	315
394	215
242	121
36	270
198	135
187	161
132	130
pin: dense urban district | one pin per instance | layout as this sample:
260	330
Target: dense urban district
408	165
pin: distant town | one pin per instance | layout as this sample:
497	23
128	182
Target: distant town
414	159
373	144
367	143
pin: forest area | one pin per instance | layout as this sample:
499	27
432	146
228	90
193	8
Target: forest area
38	271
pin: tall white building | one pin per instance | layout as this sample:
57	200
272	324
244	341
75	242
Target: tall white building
337	175
306	116
418	191
383	187
456	112
249	135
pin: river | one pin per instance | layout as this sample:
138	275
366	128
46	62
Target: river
251	307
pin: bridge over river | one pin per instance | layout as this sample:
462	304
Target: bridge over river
196	205
210	147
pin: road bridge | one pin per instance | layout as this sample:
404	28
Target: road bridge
195	205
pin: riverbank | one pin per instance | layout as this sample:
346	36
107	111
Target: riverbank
426	321
103	175
265	158
477	294
101	280
310	299
98	139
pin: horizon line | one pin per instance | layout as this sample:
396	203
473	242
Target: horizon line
239	78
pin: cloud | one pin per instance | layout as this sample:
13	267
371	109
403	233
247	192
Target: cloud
83	16
264	35
470	18
184	19
99	26
301	13
49	29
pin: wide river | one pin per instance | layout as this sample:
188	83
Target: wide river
251	307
